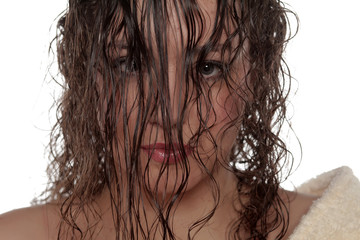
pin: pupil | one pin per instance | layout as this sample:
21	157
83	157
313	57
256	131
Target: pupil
208	68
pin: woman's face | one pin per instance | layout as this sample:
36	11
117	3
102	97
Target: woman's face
220	106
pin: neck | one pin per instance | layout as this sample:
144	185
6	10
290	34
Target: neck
207	209
207	201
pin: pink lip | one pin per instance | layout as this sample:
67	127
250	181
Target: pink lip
160	152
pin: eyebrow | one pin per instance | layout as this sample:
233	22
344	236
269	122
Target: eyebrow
117	48
216	48
122	45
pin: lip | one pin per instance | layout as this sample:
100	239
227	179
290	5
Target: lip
161	152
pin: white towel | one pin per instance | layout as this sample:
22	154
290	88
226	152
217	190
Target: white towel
336	214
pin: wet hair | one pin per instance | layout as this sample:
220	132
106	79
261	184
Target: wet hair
85	156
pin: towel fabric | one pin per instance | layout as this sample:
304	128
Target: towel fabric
335	215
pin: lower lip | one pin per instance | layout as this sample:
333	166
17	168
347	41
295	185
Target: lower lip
159	153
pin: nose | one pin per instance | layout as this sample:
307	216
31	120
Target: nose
171	98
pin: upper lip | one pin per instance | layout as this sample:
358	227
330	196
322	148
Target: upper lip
175	147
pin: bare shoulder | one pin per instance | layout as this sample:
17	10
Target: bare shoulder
27	223
297	205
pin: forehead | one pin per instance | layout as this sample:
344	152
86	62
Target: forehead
199	23
181	21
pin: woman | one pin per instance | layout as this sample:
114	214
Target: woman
168	127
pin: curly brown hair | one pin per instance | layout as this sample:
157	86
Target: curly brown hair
83	161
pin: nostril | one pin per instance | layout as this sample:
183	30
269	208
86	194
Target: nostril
163	120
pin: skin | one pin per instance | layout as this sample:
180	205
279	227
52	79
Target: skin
40	222
225	104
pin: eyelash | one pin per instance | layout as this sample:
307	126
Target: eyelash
122	64
214	65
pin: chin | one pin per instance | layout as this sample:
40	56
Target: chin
167	181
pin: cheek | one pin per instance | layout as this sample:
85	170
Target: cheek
229	112
116	116
229	108
223	116
127	107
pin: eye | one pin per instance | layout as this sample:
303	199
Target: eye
209	69
125	65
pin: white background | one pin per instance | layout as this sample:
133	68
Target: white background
323	57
